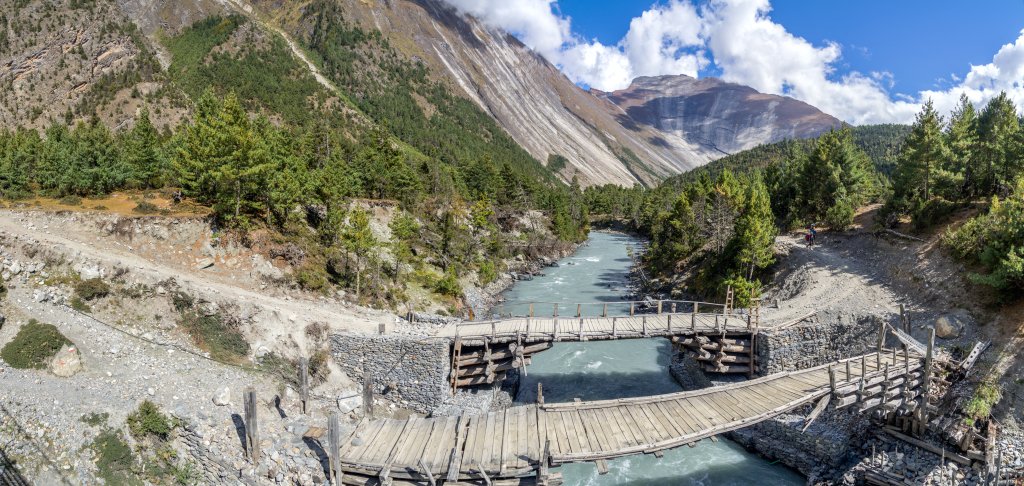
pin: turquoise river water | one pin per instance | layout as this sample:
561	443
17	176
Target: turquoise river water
615	369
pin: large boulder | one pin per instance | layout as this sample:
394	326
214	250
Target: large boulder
66	362
950	325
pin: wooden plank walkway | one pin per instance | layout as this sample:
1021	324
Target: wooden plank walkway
510	443
537	329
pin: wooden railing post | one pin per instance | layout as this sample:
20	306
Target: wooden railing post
831	378
540	393
252	435
531	310
614	330
579	310
334	449
556	310
659	307
631	305
604	311
368	394
304	383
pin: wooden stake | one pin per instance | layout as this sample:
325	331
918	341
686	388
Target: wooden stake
304	383
540	393
604	311
659	307
832	378
631	304
579	310
252	436
367	395
556	310
334	449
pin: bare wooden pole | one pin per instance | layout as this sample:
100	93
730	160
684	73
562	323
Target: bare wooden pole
367	395
631	306
334	451
579	310
304	383
659	307
540	393
252	436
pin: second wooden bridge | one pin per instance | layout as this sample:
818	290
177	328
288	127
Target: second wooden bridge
520	444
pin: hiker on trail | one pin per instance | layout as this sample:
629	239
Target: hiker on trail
809	239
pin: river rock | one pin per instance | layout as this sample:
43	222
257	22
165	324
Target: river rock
949	326
66	362
223	398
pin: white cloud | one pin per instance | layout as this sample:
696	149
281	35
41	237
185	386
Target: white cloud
747	46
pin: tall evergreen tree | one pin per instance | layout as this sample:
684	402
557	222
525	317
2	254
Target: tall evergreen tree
755	230
142	154
962	142
924	149
997	131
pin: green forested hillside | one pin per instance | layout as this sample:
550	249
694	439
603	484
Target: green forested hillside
267	147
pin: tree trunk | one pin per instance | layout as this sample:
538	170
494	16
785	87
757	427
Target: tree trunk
238	197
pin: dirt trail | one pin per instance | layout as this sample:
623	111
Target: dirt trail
836	273
281	316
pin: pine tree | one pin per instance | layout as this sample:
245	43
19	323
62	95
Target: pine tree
357	239
962	142
141	153
997	131
755	230
923	150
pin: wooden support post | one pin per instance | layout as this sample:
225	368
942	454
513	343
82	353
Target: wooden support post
368	395
847	371
304	383
693	321
659	307
643	322
604	311
614	330
863	366
542	468
927	384
748	322
673	308
528	327
334	449
494	329
531	310
540	393
554	330
753	361
631	306
581	329
882	329
252	435
670	323
424	470
832	378
556	311
579	310
903	317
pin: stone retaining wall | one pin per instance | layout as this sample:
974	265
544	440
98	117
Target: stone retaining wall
828	336
410	371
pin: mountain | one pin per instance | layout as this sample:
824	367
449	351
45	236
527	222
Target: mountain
718	115
71	60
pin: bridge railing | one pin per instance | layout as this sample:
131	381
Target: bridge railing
606	308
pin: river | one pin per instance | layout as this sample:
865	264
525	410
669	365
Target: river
598	273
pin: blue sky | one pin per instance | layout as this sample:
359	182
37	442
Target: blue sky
920	42
864	61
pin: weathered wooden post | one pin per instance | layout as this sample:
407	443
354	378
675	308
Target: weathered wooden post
670	324
631	305
643	321
252	435
304	383
659	307
847	371
614	322
579	310
693	320
531	310
927	385
556	311
540	393
334	451
831	378
368	395
604	311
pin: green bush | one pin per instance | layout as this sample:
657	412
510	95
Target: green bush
149	421
448	285
70	200
488	272
146	207
114	460
212	333
92	289
979	407
3	287
34	346
79	305
839	217
996	241
311	277
932	212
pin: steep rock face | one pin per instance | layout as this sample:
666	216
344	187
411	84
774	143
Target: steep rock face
540	108
720	116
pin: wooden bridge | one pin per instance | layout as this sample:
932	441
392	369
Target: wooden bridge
520	444
483	351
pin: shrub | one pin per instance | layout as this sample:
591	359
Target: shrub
149	421
95	419
79	305
488	272
146	207
311	277
994	239
214	333
448	285
92	289
932	212
3	287
114	459
979	407
839	217
34	346
71	200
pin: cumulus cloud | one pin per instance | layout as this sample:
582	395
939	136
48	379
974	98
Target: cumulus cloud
740	39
